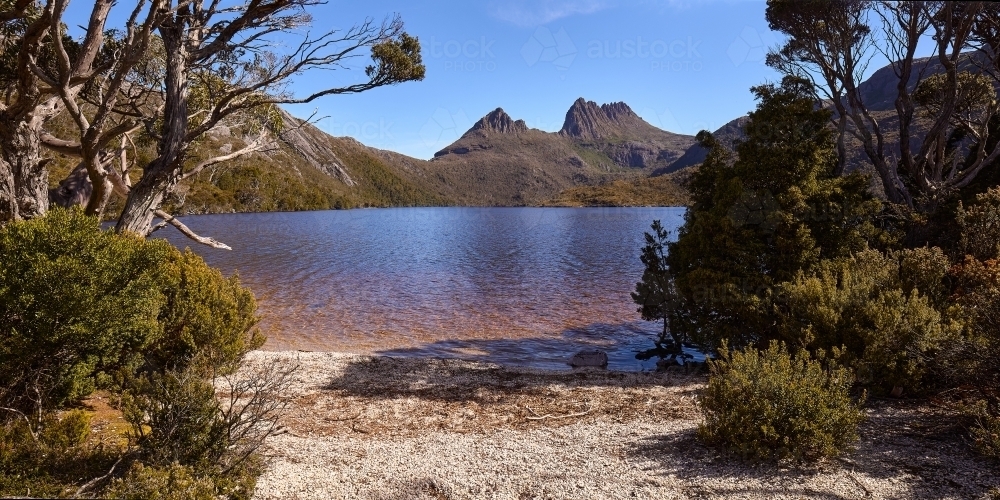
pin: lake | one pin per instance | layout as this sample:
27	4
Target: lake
517	286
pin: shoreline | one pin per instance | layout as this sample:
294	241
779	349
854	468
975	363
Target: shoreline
362	426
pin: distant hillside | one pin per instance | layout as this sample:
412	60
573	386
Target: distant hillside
662	191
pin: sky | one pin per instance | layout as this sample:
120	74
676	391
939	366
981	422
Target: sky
683	66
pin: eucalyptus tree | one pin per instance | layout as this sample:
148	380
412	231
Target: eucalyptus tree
939	139
176	70
27	58
221	61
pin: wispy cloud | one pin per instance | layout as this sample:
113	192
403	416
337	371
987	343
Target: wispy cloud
539	12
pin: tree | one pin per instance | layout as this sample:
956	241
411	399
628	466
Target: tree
29	99
655	294
759	219
205	45
170	75
943	143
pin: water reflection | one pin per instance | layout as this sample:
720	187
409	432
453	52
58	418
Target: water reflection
525	286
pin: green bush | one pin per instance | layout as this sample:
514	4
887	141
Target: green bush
771	405
46	458
82	307
205	316
173	482
986	434
979	226
872	304
75	302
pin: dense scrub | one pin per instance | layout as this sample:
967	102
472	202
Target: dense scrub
777	247
83	309
772	405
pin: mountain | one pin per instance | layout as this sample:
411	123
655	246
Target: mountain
500	161
728	134
615	130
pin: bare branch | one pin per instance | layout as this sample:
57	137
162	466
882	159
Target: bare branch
186	231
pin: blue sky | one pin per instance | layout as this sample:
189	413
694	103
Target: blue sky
683	66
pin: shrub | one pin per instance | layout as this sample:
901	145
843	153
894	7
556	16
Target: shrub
986	434
872	304
771	405
46	458
81	307
979	226
173	482
75	302
205	316
177	417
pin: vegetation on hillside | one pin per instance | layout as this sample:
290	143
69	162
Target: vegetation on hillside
662	191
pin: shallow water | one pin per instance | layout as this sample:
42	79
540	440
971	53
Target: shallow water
518	286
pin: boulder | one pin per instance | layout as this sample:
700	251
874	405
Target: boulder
594	358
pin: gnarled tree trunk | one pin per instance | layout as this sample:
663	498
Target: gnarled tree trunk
8	194
22	155
161	176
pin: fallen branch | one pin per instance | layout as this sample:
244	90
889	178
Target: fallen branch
555	417
170	219
92	482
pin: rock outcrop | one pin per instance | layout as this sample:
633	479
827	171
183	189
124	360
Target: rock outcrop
498	121
308	141
587	121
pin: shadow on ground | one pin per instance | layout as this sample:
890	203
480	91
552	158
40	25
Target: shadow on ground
621	341
920	447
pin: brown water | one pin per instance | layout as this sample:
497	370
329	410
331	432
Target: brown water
519	286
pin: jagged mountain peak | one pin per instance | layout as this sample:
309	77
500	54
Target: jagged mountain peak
500	122
588	120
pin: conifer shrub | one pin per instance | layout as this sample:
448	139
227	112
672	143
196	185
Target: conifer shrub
986	433
771	405
76	303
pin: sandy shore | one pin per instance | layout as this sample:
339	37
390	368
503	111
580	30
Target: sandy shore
363	427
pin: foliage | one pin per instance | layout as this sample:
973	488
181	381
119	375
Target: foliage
759	219
662	191
771	405
205	316
986	432
82	307
655	294
75	302
173	482
871	304
213	424
980	226
41	460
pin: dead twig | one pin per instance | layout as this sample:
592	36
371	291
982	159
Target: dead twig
555	417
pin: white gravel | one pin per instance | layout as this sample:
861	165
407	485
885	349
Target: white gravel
364	427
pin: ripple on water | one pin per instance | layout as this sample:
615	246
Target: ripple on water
519	286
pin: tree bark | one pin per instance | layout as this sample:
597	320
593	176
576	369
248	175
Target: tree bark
22	155
161	175
8	196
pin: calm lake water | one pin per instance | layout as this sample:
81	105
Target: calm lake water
518	286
